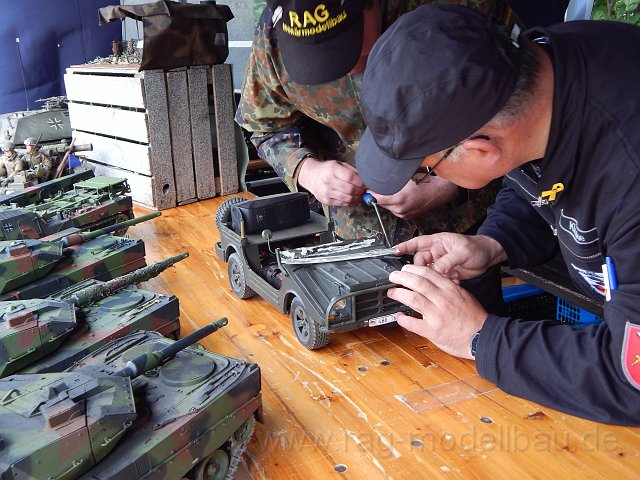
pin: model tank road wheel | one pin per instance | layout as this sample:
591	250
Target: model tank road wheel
237	280
306	328
223	214
213	467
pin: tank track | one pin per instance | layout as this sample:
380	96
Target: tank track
237	447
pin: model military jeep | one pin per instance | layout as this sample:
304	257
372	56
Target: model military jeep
276	247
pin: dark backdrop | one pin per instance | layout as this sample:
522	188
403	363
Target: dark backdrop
54	34
540	13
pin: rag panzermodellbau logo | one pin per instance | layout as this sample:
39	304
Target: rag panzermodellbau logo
309	23
55	123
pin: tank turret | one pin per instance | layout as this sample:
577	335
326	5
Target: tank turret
84	413
24	261
32	329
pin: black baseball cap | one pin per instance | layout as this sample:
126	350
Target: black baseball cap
319	40
432	79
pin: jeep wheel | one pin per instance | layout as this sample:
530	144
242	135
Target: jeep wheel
237	280
223	214
306	328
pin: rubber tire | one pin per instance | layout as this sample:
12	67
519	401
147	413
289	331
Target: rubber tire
306	329
223	214
237	279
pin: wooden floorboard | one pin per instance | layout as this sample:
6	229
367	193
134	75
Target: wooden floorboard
382	402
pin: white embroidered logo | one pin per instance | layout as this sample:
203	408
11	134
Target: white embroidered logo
594	279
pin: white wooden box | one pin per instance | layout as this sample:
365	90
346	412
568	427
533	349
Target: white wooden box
154	128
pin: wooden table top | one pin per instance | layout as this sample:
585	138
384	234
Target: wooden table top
376	403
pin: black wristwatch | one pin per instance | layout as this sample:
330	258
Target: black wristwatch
474	343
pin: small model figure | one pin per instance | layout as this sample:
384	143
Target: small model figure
39	165
11	163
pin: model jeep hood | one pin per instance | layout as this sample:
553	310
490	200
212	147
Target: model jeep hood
325	281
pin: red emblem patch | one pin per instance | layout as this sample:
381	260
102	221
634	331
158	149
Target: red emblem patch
631	354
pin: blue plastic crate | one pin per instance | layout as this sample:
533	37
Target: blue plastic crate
571	314
528	302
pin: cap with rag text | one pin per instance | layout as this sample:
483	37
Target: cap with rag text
432	79
319	40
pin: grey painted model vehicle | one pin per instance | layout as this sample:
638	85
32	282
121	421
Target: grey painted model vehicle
325	285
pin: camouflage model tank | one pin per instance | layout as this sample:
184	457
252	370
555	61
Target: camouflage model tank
48	335
141	407
44	190
39	268
92	204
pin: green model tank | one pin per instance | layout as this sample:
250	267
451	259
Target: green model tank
44	190
141	407
92	204
39	268
48	335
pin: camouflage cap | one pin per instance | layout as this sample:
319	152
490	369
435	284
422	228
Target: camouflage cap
8	146
30	141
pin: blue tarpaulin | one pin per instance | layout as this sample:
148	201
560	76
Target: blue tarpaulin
40	39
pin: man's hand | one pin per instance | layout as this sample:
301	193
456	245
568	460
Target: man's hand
414	200
455	256
450	314
331	182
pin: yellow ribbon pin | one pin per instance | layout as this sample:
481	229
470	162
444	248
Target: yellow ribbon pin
557	187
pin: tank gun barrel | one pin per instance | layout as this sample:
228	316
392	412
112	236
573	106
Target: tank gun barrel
148	361
78	238
94	293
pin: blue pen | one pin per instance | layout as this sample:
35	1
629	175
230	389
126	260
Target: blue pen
611	270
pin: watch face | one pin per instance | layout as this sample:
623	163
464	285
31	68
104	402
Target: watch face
474	343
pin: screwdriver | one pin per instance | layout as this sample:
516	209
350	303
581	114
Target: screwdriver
371	201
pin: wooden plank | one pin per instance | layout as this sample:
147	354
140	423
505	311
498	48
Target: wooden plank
127	69
105	90
179	124
164	186
339	405
201	133
141	191
116	153
111	121
225	128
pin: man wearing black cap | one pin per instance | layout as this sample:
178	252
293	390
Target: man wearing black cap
300	100
557	111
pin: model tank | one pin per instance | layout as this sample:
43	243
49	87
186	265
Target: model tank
92	204
39	268
31	330
44	190
141	407
49	124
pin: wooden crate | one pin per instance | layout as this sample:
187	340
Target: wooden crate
154	128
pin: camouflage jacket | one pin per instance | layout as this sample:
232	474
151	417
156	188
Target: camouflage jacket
291	121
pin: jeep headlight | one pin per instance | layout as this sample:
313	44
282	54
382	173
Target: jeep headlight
338	311
339	305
